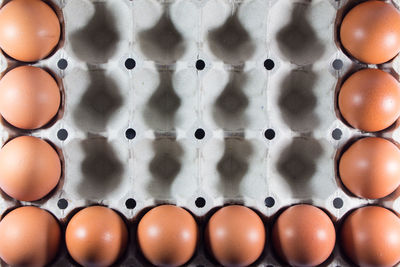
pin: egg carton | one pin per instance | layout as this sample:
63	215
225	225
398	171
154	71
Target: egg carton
199	103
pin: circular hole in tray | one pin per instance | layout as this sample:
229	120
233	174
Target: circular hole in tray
337	64
62	203
200	202
338	203
62	64
337	134
130	133
269	202
269	134
62	134
269	64
199	134
130	63
130	203
200	64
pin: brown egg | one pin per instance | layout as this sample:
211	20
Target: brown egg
30	237
167	236
29	168
303	235
370	168
29	29
370	32
96	237
235	236
370	100
370	236
29	97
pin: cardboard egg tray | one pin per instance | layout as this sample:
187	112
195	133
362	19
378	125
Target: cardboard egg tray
199	103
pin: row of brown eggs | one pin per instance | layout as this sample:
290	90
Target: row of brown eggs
167	235
369	100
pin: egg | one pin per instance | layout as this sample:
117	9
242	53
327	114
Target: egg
303	235
29	97
30	237
235	236
29	168
369	100
29	30
370	32
370	236
167	236
96	237
370	168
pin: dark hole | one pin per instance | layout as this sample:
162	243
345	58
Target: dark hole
130	133
269	64
200	64
62	203
130	203
337	134
269	265
269	202
130	63
62	134
269	134
338	203
62	64
337	64
200	133
200	202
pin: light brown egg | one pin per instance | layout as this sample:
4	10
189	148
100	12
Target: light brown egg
29	29
30	237
369	100
370	168
29	97
370	236
370	32
96	237
235	236
29	168
303	235
167	236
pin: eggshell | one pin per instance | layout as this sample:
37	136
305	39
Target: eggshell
370	32
29	29
30	237
29	97
167	236
235	236
370	168
29	168
370	236
369	100
303	235
96	237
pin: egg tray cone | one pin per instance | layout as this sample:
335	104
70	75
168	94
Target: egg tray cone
137	100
